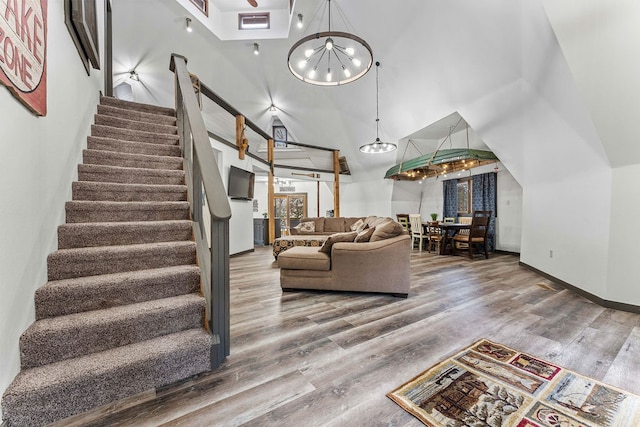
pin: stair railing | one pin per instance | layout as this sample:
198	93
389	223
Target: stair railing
210	209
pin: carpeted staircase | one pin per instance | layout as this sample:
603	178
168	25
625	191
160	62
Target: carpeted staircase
122	311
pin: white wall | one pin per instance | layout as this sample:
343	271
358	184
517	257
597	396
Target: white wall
623	284
38	164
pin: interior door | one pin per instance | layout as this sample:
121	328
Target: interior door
290	208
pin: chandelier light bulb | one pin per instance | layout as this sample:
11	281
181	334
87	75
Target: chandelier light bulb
350	51
308	53
312	73
299	20
302	63
346	71
329	74
329	43
356	62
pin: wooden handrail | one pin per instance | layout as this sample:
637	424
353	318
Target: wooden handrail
210	210
211	178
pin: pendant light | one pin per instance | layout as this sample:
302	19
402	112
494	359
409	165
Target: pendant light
378	146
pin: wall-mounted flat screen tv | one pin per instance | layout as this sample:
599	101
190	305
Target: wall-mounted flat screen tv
240	184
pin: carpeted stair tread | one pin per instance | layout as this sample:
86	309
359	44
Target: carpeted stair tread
137	106
126	123
112	191
67	296
133	135
83	235
104	211
65	337
112	158
78	262
108	110
109	144
52	392
103	173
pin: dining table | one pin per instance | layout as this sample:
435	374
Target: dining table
449	230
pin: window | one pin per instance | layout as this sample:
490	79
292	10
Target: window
254	21
464	196
202	5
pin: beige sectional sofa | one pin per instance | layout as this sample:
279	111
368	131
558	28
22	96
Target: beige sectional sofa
342	264
324	226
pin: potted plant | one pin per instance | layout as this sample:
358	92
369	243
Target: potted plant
434	216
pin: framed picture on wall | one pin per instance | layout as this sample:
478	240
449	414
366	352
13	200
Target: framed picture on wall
280	136
202	5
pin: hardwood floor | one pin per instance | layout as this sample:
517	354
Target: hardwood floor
321	358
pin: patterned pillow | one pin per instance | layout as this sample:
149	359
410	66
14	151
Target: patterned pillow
335	238
306	227
364	235
358	226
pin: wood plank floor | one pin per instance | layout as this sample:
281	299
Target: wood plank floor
327	359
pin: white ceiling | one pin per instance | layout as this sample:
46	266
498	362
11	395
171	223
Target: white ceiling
497	63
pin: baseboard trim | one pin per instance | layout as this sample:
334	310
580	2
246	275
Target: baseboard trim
502	251
248	251
591	297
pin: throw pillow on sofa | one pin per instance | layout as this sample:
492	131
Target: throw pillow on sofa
364	235
358	226
386	230
335	238
306	227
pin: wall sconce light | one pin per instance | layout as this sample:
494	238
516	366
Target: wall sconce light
134	76
188	28
300	20
256	49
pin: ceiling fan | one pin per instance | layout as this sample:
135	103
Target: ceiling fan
253	3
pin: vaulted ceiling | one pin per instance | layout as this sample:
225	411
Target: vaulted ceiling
504	65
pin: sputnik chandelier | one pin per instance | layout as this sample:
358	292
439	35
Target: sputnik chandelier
330	58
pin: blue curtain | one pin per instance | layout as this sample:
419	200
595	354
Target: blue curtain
484	198
450	190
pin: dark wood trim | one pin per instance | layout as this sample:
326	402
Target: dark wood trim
501	251
235	147
315	147
591	297
300	168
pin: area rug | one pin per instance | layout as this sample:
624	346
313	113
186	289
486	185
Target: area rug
489	384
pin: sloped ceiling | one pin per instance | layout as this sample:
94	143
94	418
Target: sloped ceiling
436	57
601	41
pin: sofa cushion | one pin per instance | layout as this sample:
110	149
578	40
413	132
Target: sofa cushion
319	223
358	226
306	227
349	221
337	237
334	225
304	258
364	235
386	230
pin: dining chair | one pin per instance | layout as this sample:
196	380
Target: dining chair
477	233
463	220
417	231
403	220
434	231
